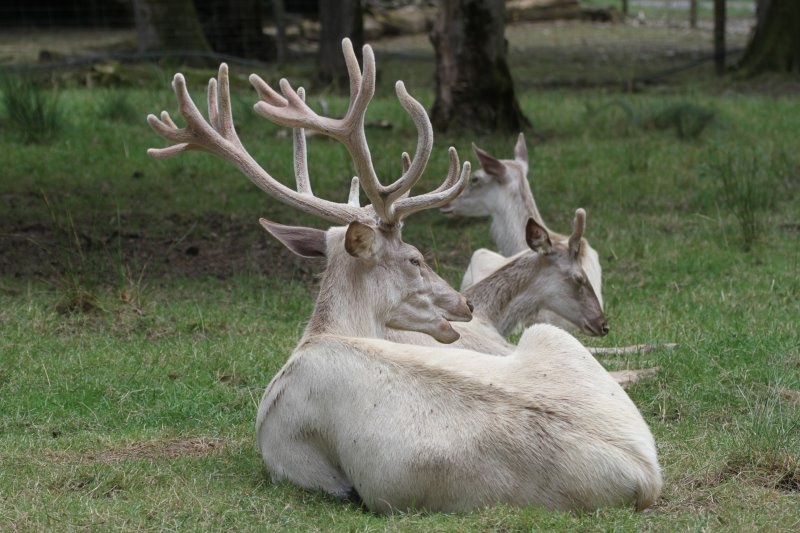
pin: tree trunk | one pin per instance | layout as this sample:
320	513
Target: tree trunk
719	36
279	13
235	27
168	25
775	43
337	21
474	89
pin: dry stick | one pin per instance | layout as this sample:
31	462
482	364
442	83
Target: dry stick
625	378
634	348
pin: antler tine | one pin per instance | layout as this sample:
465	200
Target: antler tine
223	106
290	110
437	198
183	137
218	136
424	146
353	199
578	227
406	164
362	88
452	171
301	155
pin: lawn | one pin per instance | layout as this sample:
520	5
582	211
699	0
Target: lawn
143	310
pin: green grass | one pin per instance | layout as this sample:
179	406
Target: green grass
137	410
27	110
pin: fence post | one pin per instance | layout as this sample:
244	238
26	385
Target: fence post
279	12
719	36
692	14
625	7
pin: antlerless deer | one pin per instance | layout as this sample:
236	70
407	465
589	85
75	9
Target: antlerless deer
500	190
548	277
413	426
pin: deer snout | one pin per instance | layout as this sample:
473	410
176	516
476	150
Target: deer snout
444	333
461	312
600	328
471	307
596	328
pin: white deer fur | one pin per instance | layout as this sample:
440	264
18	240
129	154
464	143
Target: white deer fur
446	429
548	277
531	282
410	426
500	190
373	280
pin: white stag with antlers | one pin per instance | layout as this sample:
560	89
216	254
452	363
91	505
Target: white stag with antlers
411	426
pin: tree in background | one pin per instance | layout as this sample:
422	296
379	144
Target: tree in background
775	43
235	27
226	26
474	89
338	20
168	25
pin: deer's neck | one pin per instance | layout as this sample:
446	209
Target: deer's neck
510	294
508	231
508	222
344	307
529	203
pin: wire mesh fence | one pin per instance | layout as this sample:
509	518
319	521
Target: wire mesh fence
608	42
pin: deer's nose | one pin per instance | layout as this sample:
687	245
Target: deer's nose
472	308
604	328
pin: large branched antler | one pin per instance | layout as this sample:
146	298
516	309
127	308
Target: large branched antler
218	136
391	202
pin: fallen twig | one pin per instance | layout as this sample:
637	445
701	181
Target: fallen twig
634	348
629	377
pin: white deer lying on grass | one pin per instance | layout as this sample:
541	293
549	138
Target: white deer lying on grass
548	277
410	426
500	190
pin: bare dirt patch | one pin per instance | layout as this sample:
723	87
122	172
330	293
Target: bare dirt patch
213	245
776	471
791	395
175	448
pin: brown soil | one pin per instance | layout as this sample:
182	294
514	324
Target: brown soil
212	246
175	448
772	470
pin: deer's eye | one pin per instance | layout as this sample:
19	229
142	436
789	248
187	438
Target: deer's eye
414	261
474	181
579	279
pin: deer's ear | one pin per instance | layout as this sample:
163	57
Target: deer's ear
521	149
359	240
537	237
578	227
490	164
305	242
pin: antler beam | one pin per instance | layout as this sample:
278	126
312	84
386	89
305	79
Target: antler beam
217	135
